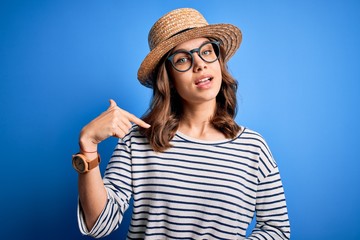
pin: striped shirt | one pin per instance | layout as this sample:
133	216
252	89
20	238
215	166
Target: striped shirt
194	190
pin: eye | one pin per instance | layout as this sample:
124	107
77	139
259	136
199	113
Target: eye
206	52
206	49
181	58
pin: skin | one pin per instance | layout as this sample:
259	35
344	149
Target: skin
114	122
199	101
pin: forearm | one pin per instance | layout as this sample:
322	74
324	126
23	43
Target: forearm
95	199
271	210
92	194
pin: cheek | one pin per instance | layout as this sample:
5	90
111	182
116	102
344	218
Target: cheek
217	72
218	68
181	88
179	80
174	77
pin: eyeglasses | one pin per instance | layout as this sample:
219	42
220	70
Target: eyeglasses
183	60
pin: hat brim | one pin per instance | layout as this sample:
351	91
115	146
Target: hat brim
228	34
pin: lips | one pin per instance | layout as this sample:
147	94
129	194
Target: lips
203	80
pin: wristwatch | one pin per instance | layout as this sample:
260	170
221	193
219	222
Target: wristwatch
82	164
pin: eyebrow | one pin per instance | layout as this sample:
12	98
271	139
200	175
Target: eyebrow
183	49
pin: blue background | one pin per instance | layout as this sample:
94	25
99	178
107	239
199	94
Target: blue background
299	81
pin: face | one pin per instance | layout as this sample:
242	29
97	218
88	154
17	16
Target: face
202	82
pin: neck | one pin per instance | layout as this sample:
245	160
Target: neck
195	121
198	114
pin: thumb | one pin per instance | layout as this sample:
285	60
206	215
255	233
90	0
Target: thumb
112	104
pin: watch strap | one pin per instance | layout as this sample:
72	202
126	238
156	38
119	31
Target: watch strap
93	163
90	164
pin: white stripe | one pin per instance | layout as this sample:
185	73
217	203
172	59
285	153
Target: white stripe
194	189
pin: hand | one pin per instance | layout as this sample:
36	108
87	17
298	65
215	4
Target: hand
114	122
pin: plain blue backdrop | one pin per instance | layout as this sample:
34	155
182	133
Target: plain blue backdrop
299	85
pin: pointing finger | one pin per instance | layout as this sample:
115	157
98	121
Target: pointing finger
138	121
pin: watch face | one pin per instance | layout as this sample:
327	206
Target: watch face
79	164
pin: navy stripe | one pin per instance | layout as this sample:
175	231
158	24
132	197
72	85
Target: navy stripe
191	210
112	168
203	143
241	150
177	231
264	163
202	197
277	180
117	189
194	190
195	175
117	180
269	189
188	161
186	217
194	182
197	169
211	151
271	195
176	223
207	157
158	234
271	202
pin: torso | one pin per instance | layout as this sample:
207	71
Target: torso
204	188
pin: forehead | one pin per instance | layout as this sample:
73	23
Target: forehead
191	44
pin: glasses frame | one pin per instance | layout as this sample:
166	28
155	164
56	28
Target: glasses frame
191	52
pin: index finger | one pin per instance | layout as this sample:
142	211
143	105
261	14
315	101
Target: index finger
138	121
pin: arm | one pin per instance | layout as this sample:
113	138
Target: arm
272	220
93	196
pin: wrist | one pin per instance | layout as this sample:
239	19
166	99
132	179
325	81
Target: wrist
87	145
83	164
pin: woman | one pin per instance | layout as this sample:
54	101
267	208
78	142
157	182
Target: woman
192	171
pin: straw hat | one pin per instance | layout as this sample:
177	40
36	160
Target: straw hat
179	26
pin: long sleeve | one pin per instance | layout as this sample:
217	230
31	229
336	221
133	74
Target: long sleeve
118	184
194	190
272	221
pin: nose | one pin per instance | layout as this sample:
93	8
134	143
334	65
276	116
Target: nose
199	64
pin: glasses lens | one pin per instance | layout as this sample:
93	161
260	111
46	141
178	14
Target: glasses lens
209	52
182	61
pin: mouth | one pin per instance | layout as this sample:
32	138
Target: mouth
203	80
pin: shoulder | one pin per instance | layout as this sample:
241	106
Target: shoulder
133	136
267	163
253	137
134	131
256	140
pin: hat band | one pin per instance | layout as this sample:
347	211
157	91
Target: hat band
182	31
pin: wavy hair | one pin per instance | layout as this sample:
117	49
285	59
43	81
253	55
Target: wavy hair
165	109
